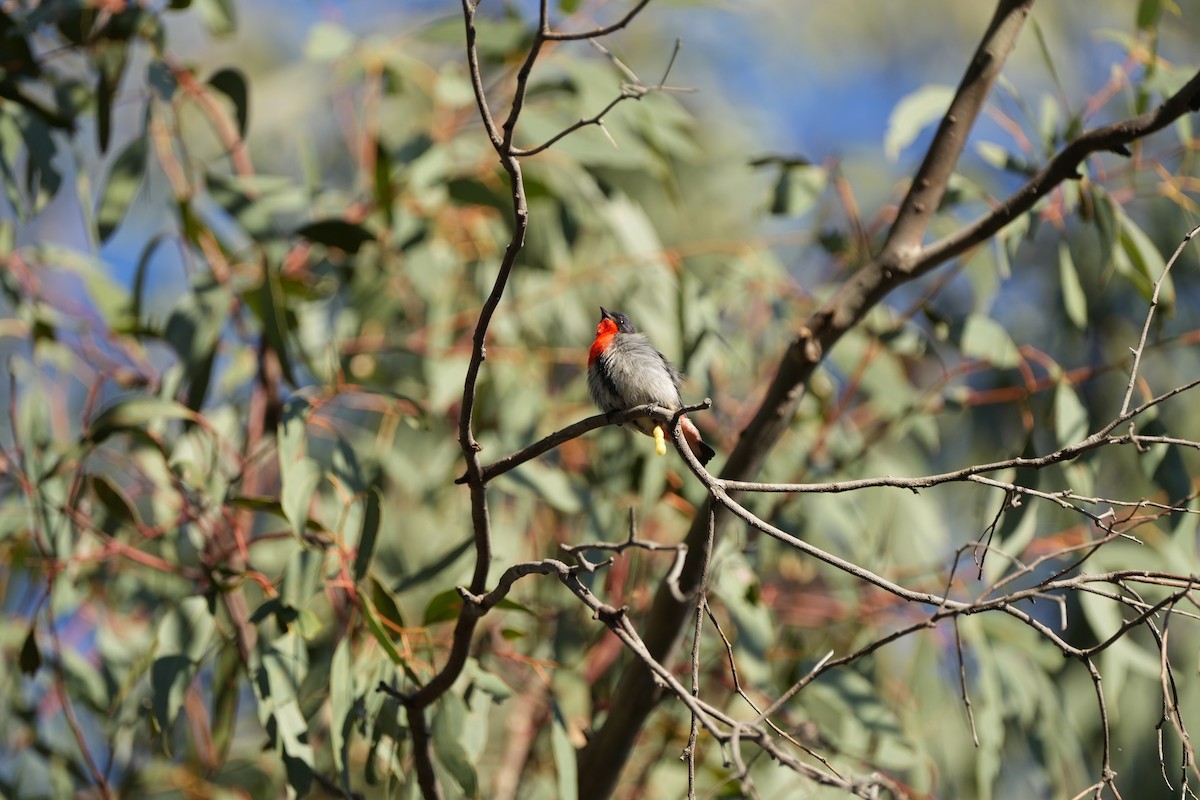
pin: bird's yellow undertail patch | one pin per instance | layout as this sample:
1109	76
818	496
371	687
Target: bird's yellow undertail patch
660	441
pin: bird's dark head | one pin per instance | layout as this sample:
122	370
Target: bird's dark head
616	319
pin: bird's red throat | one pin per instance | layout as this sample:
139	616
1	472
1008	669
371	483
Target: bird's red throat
605	332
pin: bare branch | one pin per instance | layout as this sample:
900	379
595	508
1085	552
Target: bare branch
1062	167
633	90
577	429
901	259
596	33
962	682
929	184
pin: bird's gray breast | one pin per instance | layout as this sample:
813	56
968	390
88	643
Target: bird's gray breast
640	374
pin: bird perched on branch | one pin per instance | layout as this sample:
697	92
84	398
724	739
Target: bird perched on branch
625	370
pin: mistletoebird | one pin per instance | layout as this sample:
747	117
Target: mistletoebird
625	370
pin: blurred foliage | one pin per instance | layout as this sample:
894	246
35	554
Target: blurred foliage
227	499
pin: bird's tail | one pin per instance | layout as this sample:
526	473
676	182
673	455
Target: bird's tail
691	435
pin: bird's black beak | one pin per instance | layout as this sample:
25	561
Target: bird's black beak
605	313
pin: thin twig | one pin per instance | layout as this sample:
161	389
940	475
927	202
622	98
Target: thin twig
1141	345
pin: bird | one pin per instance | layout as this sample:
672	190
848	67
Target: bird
625	370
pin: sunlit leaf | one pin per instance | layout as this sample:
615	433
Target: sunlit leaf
328	41
183	638
298	480
913	114
798	190
985	339
121	187
341	702
219	16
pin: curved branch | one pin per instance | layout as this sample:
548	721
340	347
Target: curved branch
577	429
596	33
929	184
1063	167
502	141
636	694
900	261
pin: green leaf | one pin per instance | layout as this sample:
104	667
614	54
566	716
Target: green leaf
798	190
1001	158
194	331
1074	300
443	607
42	178
292	432
276	319
114	500
371	617
138	290
513	605
136	413
565	757
328	41
428	573
985	339
291	730
183	637
447	735
226	689
913	114
337	233
1147	14
302	578
110	59
1164	464
550	484
121	188
486	682
30	660
738	587
383	191
1107	226
10	143
267	505
341	707
1139	260
232	83
218	16
368	535
298	481
1070	415
1021	526
385	605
